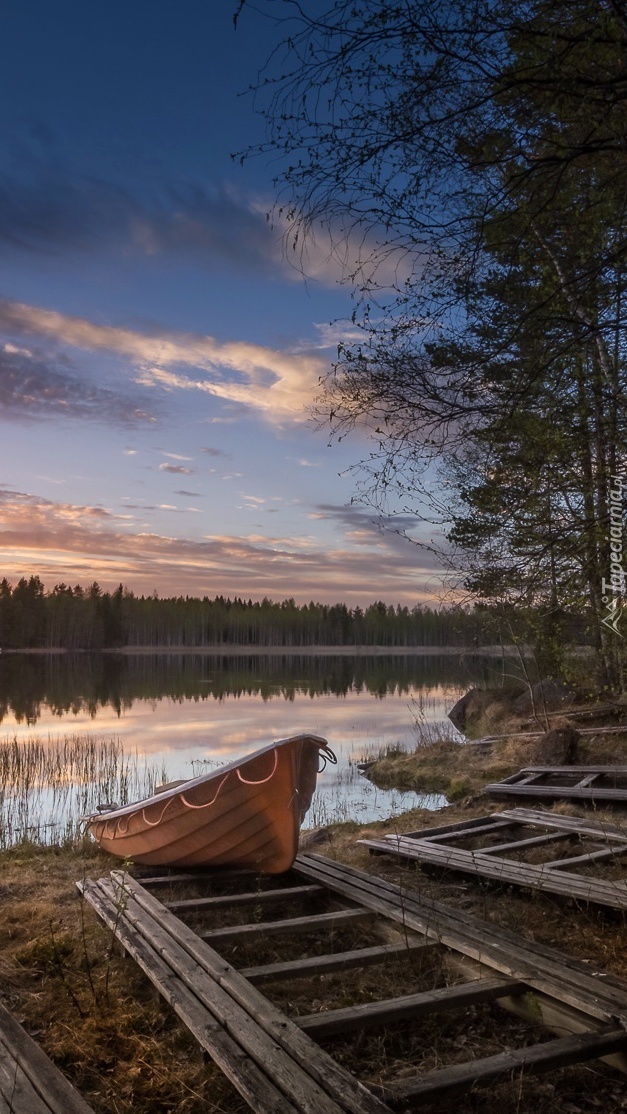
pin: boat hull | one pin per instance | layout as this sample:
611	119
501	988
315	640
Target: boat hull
246	814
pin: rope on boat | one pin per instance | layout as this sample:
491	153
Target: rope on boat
324	753
327	757
261	781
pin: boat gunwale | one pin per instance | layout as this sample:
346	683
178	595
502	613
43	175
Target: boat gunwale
203	779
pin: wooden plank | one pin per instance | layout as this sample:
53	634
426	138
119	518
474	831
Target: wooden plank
231	901
590	857
320	922
301	1072
201	875
511	871
391	1010
583	770
582	825
250	1078
463	825
5	1108
306	966
533	1059
461	833
530	817
559	977
44	1078
554	792
324	1072
513	777
290	1077
438	920
16	1090
531	841
174	879
516	785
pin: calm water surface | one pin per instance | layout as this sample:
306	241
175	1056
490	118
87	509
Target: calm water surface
186	713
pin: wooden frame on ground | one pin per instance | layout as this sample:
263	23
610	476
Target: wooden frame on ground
273	1059
603	784
500	836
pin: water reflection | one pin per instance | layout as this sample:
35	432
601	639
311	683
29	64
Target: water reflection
33	686
187	712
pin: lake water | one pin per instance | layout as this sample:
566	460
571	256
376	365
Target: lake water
177	715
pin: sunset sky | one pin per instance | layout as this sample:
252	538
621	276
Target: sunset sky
158	351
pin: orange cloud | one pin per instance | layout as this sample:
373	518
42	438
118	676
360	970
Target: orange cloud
60	541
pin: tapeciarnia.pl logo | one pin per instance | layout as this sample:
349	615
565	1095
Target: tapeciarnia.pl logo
613	589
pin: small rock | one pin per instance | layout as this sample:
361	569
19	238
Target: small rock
314	838
557	747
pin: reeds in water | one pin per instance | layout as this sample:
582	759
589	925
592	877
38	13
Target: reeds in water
48	783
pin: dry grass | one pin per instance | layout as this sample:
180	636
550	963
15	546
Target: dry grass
445	767
91	1009
98	1018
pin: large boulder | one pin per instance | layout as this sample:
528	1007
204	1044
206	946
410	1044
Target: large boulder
548	695
471	708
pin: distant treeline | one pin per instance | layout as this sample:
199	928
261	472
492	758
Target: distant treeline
84	683
77	618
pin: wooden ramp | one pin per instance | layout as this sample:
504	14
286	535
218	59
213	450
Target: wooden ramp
274	1060
29	1081
495	847
603	784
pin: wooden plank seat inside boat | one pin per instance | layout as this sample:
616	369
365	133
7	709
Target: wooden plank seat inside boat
308	963
29	1082
579	858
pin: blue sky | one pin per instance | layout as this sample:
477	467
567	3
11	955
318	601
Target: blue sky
158	350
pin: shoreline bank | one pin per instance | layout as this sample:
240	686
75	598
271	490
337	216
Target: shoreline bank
237	649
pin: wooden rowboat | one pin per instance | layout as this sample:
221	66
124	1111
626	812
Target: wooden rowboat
247	813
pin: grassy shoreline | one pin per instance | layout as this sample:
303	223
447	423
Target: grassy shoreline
238	649
63	976
96	1015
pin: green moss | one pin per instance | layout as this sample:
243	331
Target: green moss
46	952
459	787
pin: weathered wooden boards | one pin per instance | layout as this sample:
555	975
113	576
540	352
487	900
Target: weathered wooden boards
564	981
29	1081
531	1059
505	834
273	1059
275	1066
583	783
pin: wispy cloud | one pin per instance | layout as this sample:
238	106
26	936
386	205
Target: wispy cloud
50	209
35	387
277	385
395	533
333	252
338	332
177	469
